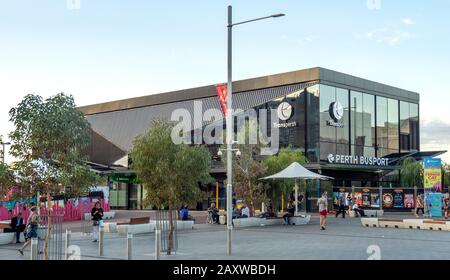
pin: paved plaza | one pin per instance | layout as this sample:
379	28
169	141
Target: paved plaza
344	239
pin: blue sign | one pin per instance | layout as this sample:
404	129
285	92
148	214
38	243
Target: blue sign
434	204
432	162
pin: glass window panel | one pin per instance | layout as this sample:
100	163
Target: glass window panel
342	149
313	123
327	148
327	96
382	127
414	126
343	132
369	119
404	117
393	126
356	115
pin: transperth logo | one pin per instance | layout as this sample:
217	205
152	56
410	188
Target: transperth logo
330	158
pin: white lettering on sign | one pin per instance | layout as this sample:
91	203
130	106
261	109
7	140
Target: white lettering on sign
357	160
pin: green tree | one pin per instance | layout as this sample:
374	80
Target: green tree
170	173
411	173
277	163
7	179
248	168
48	138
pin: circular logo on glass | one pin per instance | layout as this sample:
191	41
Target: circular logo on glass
336	111
284	111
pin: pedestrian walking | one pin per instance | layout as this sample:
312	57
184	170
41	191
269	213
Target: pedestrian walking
341	204
97	217
419	205
31	228
322	203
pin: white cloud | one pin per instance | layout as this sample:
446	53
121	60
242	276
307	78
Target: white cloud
408	21
389	36
305	40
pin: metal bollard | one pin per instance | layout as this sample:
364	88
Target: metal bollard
157	243
129	246
34	249
100	241
67	245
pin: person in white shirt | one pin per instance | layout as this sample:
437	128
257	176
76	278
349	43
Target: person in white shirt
245	211
358	210
322	203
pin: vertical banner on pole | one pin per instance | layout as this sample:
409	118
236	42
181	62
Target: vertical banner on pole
222	95
432	175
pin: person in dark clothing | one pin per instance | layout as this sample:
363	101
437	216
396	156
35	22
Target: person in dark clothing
341	205
97	217
290	213
268	214
17	226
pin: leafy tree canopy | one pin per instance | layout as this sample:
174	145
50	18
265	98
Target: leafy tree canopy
170	173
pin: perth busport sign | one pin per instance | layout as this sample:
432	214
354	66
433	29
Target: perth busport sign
358	160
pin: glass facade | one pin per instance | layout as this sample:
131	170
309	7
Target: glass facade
327	120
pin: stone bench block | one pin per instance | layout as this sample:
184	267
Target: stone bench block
370	222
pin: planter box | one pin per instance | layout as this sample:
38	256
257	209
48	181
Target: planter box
370	222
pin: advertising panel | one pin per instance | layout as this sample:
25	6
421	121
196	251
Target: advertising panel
375	200
358	199
434	204
366	199
409	200
388	200
432	174
398	199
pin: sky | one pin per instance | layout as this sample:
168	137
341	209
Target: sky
103	50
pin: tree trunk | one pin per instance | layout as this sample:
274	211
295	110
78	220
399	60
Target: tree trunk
49	228
170	238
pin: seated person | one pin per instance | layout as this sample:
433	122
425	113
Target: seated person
245	211
268	214
235	212
184	214
358	210
290	213
17	226
214	212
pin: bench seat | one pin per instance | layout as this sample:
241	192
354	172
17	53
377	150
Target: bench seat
391	223
106	215
255	221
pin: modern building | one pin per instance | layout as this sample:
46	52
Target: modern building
351	129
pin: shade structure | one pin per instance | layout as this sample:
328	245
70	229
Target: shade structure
297	171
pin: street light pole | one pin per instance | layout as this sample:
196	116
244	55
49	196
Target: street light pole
229	131
229	120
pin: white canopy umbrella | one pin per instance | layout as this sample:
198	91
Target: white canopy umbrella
297	171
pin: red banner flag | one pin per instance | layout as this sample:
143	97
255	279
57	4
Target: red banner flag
222	94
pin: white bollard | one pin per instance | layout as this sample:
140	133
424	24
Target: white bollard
157	243
67	244
34	249
100	241
129	246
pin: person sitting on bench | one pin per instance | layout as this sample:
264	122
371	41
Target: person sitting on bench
358	210
214	213
290	213
17	226
268	214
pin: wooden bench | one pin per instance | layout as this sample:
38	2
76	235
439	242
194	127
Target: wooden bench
136	221
394	223
435	224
